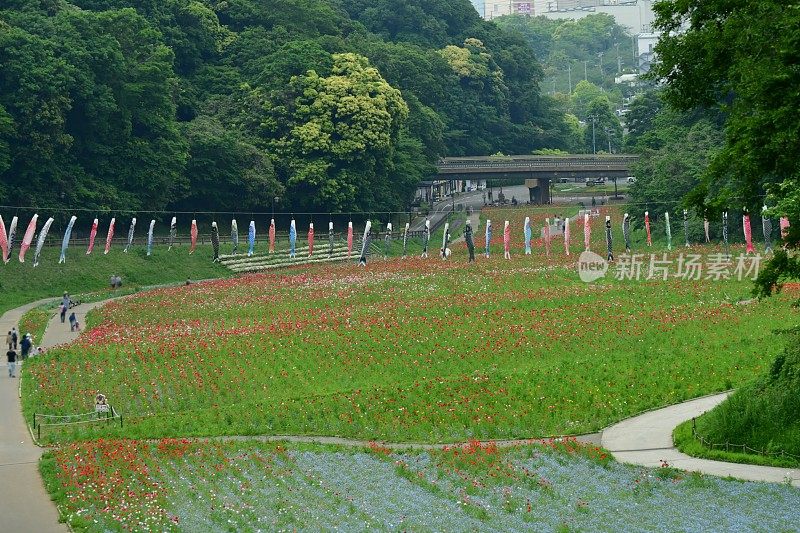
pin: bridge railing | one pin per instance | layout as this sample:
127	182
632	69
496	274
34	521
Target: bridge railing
526	162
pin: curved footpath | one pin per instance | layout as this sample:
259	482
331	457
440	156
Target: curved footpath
24	502
646	440
25	506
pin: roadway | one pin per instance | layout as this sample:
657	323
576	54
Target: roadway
474	200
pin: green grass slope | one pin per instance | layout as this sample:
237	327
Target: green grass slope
21	283
765	414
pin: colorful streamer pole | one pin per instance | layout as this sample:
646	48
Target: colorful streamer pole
488	237
626	232
587	232
234	236
349	239
444	252
110	235
387	240
507	240
547	237
426	237
65	240
12	235
668	230
214	240
193	237
725	231
251	238
92	236
609	240
27	238
405	240
470	241
330	239
173	232
647	228
566	235
766	224
528	235
3	240
292	239
310	239
272	236
362	261
150	237
748	233
686	226
40	241
130	236
705	228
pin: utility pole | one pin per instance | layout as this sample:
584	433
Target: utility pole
600	55
608	136
569	76
619	59
585	77
594	137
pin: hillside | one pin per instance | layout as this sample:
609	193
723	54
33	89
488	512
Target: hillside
144	104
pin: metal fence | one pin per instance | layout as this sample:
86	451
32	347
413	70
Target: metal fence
742	448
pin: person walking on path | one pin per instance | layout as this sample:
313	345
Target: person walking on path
14	338
26	344
66	301
9	341
73	321
12	363
63	312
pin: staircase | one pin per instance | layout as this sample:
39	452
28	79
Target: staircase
240	263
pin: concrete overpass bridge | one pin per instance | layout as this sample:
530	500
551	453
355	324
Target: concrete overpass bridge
538	171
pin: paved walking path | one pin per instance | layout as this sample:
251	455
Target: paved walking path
647	440
25	505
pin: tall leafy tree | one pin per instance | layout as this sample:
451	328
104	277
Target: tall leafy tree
333	136
741	57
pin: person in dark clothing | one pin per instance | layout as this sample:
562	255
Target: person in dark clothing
73	320
63	313
12	363
26	344
14	338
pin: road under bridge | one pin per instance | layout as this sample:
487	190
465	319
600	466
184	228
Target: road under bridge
537	171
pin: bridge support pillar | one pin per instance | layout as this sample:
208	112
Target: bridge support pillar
539	189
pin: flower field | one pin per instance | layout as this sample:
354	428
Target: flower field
179	484
414	350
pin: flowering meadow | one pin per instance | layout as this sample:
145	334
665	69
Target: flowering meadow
407	350
188	485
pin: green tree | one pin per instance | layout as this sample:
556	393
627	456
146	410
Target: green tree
225	171
673	161
741	57
585	93
333	136
91	95
602	127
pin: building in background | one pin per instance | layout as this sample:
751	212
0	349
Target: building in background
497	8
645	45
637	15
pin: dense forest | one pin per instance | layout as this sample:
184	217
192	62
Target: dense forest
226	104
